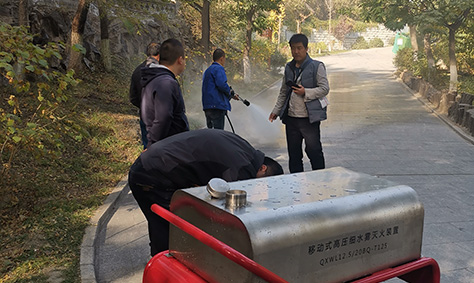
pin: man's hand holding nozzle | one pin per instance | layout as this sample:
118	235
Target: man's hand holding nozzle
234	95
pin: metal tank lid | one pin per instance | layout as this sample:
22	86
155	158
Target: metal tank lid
294	189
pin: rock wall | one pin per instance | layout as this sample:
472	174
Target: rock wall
321	35
51	21
386	35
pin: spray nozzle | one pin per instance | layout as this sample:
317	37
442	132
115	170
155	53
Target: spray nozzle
245	101
233	94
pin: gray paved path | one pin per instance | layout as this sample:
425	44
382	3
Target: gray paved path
375	126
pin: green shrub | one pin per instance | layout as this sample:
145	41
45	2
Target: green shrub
261	52
376	42
404	59
315	48
360	43
30	111
466	84
277	60
418	65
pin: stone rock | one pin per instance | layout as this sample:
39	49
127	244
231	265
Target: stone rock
470	121
50	20
406	77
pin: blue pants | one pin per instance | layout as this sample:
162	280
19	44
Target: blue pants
298	129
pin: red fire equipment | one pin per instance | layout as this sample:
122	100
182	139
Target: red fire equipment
163	267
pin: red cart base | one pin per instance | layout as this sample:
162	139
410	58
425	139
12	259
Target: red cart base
163	268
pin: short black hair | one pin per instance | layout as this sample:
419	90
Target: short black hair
273	167
153	49
218	54
170	50
299	37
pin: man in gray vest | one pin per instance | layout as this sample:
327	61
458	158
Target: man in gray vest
302	105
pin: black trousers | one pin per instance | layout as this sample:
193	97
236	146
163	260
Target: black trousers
298	129
215	118
149	188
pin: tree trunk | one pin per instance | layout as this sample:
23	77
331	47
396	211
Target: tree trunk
247	47
429	55
330	6
206	29
23	13
22	21
413	40
77	31
453	71
279	32
205	33
104	36
329	16
298	26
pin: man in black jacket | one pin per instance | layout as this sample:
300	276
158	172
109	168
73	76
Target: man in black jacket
187	160
135	94
162	106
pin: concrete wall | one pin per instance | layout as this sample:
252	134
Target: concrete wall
321	35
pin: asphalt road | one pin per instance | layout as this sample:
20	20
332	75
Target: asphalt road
376	126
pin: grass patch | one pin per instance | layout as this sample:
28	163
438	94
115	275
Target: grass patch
47	203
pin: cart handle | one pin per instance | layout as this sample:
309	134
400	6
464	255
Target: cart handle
217	245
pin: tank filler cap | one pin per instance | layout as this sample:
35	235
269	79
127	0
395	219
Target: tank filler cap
235	199
217	188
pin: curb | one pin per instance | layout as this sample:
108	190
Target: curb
91	239
442	117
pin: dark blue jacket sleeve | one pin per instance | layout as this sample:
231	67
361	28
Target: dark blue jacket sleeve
163	109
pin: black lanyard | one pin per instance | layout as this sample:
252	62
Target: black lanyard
295	70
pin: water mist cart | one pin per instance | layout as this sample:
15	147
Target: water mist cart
331	225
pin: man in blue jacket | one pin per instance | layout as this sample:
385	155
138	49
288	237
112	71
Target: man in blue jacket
216	93
302	105
162	105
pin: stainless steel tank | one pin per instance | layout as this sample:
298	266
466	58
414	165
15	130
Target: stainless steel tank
329	225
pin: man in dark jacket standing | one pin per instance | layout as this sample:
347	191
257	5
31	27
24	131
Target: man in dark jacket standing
162	106
187	160
216	93
302	105
135	94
